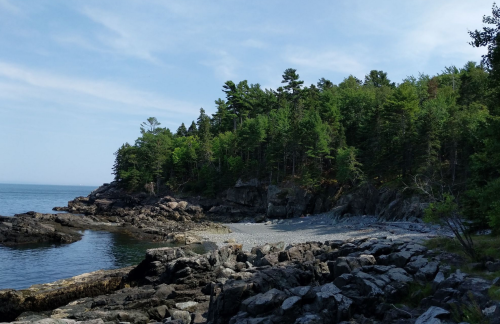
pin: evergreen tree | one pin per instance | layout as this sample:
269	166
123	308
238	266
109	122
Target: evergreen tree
182	131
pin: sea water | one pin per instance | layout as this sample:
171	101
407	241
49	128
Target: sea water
28	264
21	198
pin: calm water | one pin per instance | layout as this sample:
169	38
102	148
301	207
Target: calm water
26	265
16	199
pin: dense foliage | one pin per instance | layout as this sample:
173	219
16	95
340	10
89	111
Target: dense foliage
440	134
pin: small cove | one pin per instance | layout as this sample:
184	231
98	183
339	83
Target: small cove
26	265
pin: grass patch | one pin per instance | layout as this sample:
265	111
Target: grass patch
417	292
444	243
470	312
494	293
487	247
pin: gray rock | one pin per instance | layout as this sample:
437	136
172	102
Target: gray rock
304	292
183	316
341	266
95	321
367	285
164	291
399	274
263	303
438	279
428	272
489	311
159	312
309	319
400	259
366	259
328	290
186	305
453	280
431	315
343	280
290	304
493	266
381	248
415	264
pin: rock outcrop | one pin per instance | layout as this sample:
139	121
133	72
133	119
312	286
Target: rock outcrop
251	199
36	228
110	200
39	298
358	281
261	201
386	203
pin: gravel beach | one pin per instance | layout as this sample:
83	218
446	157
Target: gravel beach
320	228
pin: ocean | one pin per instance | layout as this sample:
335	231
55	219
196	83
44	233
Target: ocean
21	198
29	264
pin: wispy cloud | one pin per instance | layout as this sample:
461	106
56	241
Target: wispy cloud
441	32
254	43
130	98
326	60
78	40
126	38
224	65
8	6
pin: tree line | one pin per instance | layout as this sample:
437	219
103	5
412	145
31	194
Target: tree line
439	135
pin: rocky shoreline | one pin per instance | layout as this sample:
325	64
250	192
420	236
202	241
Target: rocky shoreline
353	269
376	280
168	218
110	209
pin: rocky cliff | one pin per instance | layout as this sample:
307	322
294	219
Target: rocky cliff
289	200
253	199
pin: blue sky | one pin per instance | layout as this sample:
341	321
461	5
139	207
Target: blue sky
78	77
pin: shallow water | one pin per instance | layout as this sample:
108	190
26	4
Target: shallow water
26	265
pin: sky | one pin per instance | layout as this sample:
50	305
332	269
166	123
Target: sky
77	78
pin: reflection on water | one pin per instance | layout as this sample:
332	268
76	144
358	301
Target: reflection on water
26	265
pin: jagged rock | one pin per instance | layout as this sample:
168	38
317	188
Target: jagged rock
432	315
388	204
290	305
263	303
298	285
400	259
33	227
415	264
427	272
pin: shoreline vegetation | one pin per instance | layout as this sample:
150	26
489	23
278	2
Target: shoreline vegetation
368	151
